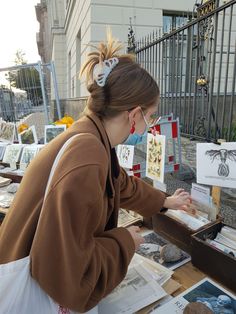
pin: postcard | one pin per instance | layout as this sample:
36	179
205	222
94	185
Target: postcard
152	250
28	136
51	131
12	154
125	154
206	291
7	131
28	153
216	164
2	149
155	157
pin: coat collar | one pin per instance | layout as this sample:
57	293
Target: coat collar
114	168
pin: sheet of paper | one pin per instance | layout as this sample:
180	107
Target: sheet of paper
201	193
136	291
216	164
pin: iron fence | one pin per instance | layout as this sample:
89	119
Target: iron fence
195	67
25	96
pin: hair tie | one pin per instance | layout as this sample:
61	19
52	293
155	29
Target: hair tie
103	69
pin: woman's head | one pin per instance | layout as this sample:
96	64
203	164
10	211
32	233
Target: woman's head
126	87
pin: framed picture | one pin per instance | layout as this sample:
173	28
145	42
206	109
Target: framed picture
51	131
155	157
28	136
7	131
28	153
12	154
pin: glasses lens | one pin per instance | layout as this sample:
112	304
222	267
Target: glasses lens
154	118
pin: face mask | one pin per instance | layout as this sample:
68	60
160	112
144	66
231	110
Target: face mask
135	139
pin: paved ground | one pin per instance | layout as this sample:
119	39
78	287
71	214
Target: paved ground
175	180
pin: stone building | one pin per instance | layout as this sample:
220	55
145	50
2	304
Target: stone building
67	27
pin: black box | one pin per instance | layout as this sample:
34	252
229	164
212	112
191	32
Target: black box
212	261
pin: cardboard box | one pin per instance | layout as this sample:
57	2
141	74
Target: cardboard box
213	262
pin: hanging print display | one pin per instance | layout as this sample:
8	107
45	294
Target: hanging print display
155	157
216	164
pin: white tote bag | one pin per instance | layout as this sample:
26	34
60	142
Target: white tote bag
19	292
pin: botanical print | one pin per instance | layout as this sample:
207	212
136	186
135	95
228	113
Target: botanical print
28	136
7	131
223	155
155	157
216	164
125	154
52	131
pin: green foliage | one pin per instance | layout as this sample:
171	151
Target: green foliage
25	78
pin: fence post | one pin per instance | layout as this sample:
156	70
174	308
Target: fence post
52	66
39	69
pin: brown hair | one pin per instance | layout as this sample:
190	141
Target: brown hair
127	86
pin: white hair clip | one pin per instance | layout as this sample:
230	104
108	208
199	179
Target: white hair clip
102	70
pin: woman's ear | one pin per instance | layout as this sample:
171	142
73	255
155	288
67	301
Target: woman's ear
133	114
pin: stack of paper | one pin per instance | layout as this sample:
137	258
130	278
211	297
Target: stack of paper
4	181
225	241
139	289
126	219
193	222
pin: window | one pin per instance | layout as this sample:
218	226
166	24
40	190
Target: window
174	20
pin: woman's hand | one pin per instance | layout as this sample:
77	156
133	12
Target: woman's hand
138	239
179	200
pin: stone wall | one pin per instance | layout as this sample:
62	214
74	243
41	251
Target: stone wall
72	107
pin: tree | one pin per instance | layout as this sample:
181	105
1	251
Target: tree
26	79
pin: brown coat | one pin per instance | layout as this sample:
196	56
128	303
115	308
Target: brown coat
78	254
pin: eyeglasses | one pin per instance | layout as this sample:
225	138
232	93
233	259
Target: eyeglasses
152	120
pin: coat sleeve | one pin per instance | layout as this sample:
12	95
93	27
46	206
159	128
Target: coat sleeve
73	259
137	195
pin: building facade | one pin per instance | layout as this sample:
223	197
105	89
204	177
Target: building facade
68	27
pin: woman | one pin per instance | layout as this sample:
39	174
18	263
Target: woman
79	255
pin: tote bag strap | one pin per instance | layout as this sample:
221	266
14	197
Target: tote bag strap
56	161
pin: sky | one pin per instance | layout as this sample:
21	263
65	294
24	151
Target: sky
18	28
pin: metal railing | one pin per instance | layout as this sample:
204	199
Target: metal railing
27	90
195	67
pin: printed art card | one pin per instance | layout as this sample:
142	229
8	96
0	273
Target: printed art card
28	136
155	157
51	131
2	149
28	153
12	154
125	154
206	291
152	249
7	131
216	164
